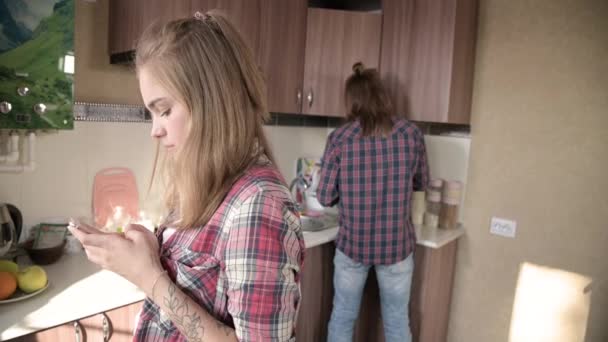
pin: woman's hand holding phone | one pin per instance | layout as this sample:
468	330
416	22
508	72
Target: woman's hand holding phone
133	254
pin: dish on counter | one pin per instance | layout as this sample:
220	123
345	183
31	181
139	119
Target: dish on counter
20	295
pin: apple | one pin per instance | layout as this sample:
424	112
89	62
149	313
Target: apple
9	266
31	279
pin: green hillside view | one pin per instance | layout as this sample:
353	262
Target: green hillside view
36	62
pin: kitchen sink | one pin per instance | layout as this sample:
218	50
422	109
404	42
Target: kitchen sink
318	223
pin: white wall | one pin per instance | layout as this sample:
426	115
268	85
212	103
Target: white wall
67	161
539	155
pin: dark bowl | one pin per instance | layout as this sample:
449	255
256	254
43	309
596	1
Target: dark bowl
43	256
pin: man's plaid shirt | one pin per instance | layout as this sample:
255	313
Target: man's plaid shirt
373	178
243	267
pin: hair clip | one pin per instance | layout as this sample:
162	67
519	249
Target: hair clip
199	16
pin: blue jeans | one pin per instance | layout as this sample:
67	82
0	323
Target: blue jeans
394	283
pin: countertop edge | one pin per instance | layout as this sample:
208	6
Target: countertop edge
436	237
313	239
425	236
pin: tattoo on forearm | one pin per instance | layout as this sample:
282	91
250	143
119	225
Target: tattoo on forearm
189	321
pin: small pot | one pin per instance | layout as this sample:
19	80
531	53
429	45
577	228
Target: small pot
43	256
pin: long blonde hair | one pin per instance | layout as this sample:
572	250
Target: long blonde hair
207	66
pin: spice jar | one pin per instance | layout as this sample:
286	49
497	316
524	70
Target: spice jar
418	207
450	203
433	208
435	185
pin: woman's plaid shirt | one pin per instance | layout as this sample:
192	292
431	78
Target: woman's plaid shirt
243	267
372	179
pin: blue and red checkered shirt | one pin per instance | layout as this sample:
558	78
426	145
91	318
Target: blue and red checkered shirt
243	266
372	180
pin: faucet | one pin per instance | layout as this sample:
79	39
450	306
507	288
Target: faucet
300	184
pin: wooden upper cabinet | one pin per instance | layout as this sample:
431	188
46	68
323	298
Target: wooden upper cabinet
335	40
243	14
125	25
424	48
281	52
129	18
162	11
427	57
305	54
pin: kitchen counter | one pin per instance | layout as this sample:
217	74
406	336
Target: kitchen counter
435	237
426	236
313	239
79	288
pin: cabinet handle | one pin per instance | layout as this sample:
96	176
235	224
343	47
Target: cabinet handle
310	98
77	332
106	328
298	97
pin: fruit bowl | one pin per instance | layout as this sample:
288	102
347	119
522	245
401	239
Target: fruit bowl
43	256
20	295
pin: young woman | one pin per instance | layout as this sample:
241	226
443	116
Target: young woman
225	266
371	166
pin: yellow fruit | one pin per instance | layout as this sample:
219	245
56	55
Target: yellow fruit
8	266
31	279
8	285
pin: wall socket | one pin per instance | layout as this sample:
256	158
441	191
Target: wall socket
503	227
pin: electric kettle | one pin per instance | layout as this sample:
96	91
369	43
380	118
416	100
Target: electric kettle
10	227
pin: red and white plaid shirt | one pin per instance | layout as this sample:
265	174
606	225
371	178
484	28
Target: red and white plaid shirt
372	179
243	267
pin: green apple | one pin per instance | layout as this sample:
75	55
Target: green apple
9	266
31	279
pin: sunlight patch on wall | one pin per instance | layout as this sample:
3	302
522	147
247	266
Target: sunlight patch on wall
551	305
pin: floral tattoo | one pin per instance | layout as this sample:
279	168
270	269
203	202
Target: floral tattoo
180	315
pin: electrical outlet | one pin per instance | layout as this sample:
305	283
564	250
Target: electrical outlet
503	227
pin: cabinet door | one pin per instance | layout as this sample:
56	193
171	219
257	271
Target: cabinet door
125	25
120	324
431	293
163	11
65	332
128	19
243	14
335	40
428	57
281	53
316	286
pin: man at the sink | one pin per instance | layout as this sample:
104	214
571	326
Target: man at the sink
370	167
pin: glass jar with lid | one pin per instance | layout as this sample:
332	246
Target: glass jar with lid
450	204
433	207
